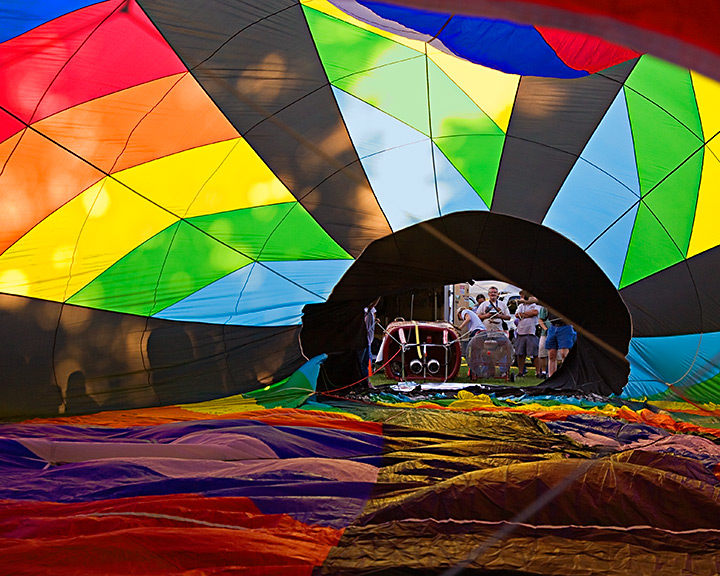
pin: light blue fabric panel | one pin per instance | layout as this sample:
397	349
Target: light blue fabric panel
600	195
373	131
611	146
317	276
679	360
397	160
399	164
455	193
610	249
251	296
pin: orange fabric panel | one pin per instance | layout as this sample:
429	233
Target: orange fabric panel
139	124
38	178
274	417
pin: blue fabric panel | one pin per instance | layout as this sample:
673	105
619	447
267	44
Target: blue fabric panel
610	249
680	360
241	298
397	160
373	131
317	276
19	16
611	146
505	46
454	191
602	191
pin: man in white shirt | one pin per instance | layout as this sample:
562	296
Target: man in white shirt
492	312
470	321
526	342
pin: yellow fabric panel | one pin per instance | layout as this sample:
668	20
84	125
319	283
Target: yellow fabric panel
706	233
493	91
325	7
229	405
218	177
78	242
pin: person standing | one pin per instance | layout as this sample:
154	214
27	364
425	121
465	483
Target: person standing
478	301
470	322
364	354
526	342
542	350
560	338
493	312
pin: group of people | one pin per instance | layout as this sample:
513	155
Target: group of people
546	340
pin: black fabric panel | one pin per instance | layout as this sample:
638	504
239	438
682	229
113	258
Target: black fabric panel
81	360
551	123
259	64
27	332
554	269
682	299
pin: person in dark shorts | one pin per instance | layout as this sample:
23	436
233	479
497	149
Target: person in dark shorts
561	337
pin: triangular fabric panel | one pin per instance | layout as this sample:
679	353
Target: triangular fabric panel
669	154
167	268
467	136
209	179
62	254
56	176
397	160
385	145
317	276
241	298
610	249
664	118
36	14
276	232
279	100
706	232
139	124
651	248
551	124
493	91
384	73
103	50
454	192
602	186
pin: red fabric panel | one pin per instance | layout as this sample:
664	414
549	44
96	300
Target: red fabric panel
83	55
8	126
583	52
170	534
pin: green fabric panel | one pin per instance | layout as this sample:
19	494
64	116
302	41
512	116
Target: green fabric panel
667	135
383	73
466	135
453	112
163	270
674	200
477	158
650	249
707	391
270	233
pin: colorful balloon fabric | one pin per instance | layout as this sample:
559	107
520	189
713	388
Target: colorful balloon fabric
181	184
280	483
